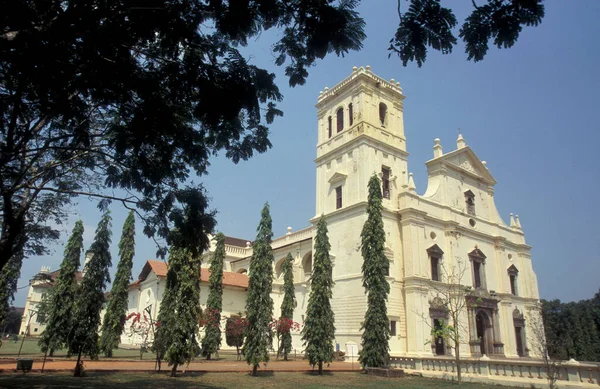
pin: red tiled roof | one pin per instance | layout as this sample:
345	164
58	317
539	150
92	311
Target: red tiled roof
160	269
229	278
78	275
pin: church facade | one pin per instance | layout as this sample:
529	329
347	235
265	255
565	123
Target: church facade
451	234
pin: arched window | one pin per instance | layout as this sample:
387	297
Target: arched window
242	271
350	115
340	119
329	126
383	114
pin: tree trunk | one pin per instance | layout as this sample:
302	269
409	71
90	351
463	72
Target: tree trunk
254	368
13	233
78	369
208	357
51	353
174	370
457	355
320	367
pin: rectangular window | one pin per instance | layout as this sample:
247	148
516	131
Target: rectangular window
519	338
385	180
393	327
329	130
338	197
477	274
513	284
434	269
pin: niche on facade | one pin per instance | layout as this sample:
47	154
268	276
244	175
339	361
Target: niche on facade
307	265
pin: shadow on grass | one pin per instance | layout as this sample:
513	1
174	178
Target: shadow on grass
261	373
110	380
316	372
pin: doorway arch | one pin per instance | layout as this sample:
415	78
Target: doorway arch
482	324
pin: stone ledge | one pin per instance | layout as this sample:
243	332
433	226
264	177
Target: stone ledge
385	372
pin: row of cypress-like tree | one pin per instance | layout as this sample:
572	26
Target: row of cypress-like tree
72	311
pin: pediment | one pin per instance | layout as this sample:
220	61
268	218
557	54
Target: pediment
466	161
337	177
435	250
476	253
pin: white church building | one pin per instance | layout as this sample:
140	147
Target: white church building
454	224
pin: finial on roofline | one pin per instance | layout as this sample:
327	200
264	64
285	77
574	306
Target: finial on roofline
518	222
512	221
411	183
437	148
460	142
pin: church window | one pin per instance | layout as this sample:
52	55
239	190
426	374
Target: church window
340	119
435	266
385	181
470	201
513	275
350	115
520	338
329	129
477	273
477	259
383	114
338	197
435	254
393	327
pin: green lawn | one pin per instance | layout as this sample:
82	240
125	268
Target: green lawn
31	349
223	380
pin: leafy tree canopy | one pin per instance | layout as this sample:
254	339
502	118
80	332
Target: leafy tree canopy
137	96
426	24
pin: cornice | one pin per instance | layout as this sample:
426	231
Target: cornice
361	138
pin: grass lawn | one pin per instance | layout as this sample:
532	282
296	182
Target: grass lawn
31	349
223	380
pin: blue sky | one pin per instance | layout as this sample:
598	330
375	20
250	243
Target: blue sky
529	111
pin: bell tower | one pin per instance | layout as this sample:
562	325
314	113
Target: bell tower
360	132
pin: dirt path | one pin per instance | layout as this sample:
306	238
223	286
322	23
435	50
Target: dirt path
197	366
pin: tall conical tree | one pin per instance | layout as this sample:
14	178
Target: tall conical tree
259	304
114	319
83	337
61	302
375	267
214	305
287	304
319	330
180	320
